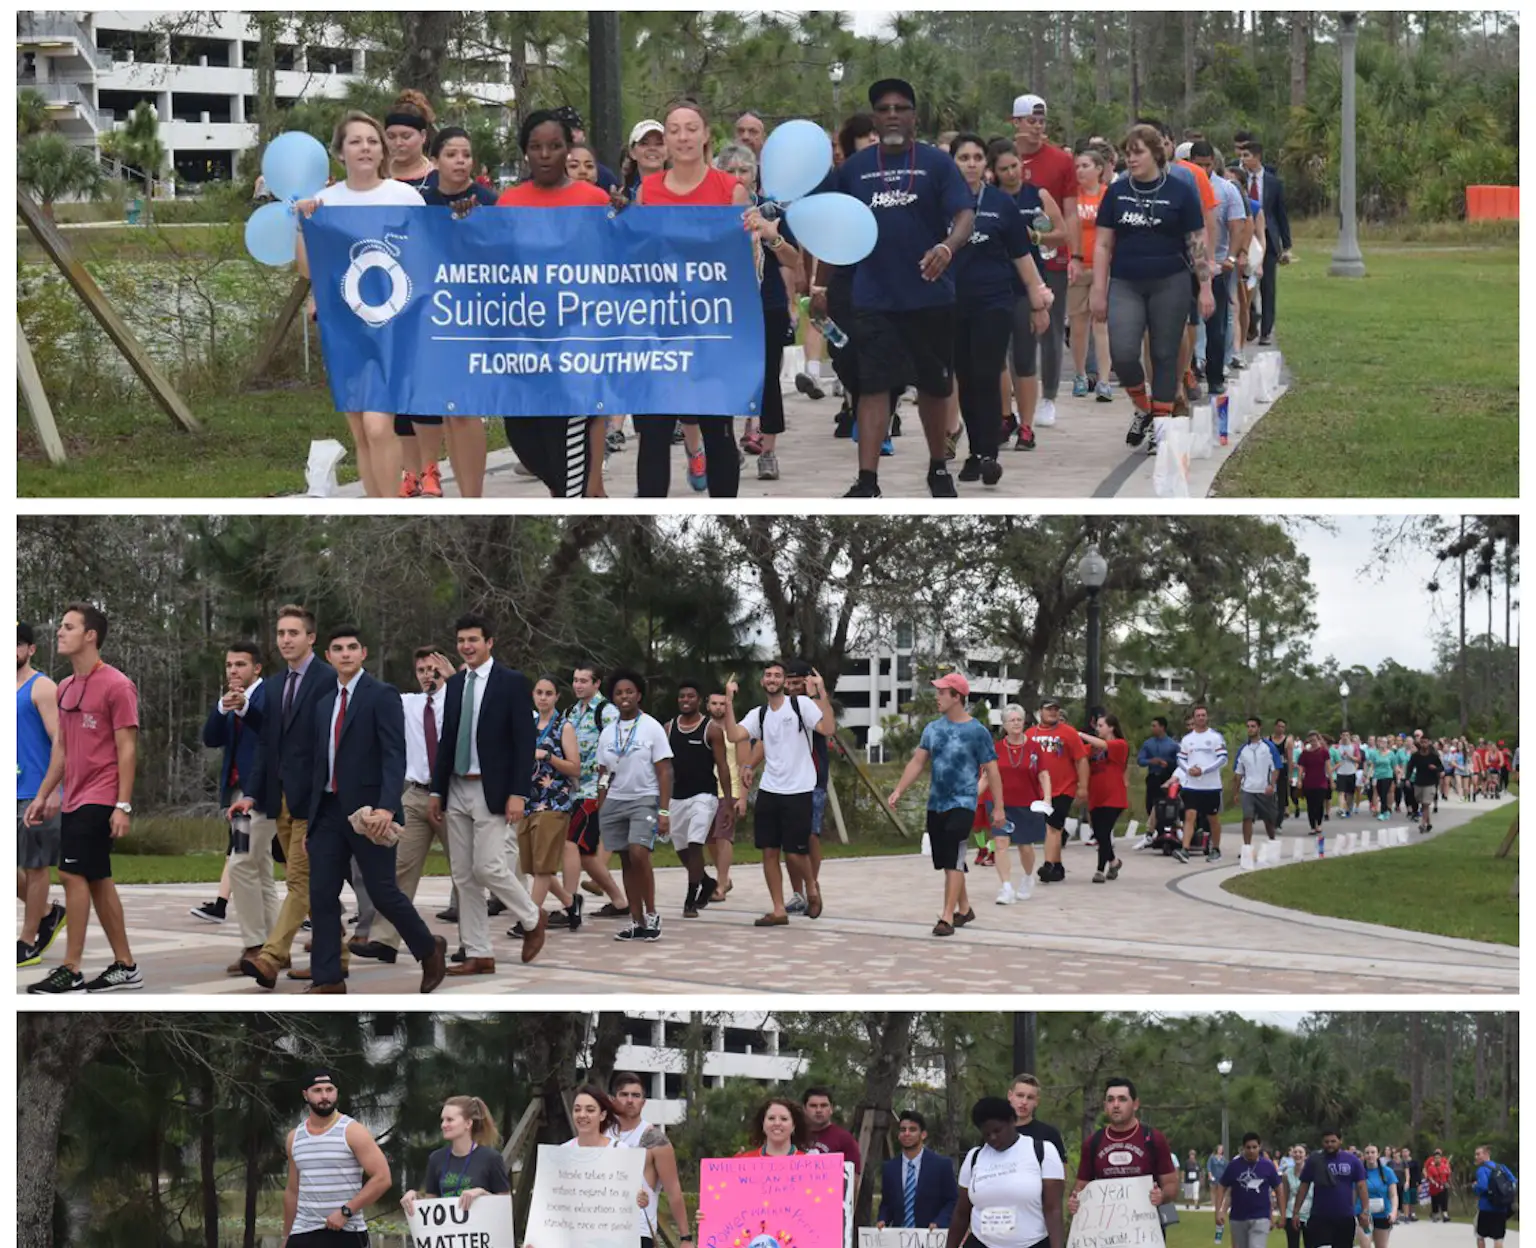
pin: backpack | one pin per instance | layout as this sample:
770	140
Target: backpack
1501	1187
1098	1138
1323	1174
794	705
970	1157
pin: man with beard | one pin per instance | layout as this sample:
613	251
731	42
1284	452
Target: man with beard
335	1171
1336	1180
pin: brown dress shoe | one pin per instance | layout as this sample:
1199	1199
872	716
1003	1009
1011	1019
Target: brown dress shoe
326	988
260	968
534	940
473	966
234	967
307	973
435	965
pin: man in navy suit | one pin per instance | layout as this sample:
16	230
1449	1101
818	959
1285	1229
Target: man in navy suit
256	900
279	788
925	1199
359	759
480	787
1263	184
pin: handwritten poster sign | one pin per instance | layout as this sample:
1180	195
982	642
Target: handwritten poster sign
440	1223
585	1198
771	1202
902	1238
1116	1213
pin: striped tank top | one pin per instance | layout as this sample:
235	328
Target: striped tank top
329	1176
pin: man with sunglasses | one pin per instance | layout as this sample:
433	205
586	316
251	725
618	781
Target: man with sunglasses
95	754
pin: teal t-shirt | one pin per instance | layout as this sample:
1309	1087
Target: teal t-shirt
957	753
1381	764
1400	757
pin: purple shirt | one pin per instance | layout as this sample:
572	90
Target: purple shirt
1250	1183
1337	1201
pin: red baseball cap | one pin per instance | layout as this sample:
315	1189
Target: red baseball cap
956	682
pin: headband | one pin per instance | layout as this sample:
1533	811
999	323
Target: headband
406	119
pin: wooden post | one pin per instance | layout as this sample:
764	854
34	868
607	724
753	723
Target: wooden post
100	307
836	809
32	392
869	784
274	339
1509	839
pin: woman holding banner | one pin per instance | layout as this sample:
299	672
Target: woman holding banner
469	1165
1011	1188
360	146
778	1130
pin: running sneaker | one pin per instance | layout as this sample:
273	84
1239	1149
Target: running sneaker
27	955
652	928
1266	340
698	476
752	443
208	912
119	977
991	471
971	470
1098	877
432	482
895	424
1104	392
807	386
796	904
59	980
1141	425
951	445
864	489
410	487
1026	890
1026	439
573	912
887	449
1181	855
941	484
632	932
48	930
1010	425
842	424
613	442
1213	855
1045	413
1080	387
767	466
1006	896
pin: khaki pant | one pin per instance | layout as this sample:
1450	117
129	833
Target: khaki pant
411	856
295	908
252	888
481	847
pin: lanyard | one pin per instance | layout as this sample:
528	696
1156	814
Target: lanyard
623	744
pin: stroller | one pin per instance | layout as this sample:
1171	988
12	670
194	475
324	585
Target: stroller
1166	832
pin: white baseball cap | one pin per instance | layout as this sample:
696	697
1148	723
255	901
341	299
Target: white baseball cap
643	128
1182	151
1027	104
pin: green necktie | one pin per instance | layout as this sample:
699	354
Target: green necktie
466	729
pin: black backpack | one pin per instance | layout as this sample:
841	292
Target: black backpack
1323	1176
794	705
1501	1187
970	1157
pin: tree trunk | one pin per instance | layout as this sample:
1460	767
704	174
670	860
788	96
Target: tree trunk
1133	27
1066	93
605	1045
253	1177
267	24
1191	26
1511	1065
1450	1074
1038	25
1299	40
1461	652
426	43
1479	1057
890	1035
208	1156
1101	56
1415	1073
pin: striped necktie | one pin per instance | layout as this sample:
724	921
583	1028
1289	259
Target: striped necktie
909	1191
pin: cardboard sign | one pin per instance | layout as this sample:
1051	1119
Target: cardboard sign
1116	1213
902	1238
439	1223
771	1202
585	1198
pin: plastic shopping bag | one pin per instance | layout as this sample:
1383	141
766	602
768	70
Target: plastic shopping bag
320	474
1201	441
1170	471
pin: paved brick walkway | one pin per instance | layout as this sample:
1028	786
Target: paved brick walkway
1160	928
1083	455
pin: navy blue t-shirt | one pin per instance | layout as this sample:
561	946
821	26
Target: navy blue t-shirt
606	179
915	197
1150	227
476	191
985	276
1030	205
775	293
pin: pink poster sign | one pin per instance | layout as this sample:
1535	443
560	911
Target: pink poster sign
771	1202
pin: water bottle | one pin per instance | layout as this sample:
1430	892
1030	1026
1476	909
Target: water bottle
1042	225
829	328
240	832
1219	1231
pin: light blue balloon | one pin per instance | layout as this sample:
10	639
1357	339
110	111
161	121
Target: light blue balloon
271	234
295	165
796	159
836	228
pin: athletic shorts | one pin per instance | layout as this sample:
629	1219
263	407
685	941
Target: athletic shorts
900	349
948	831
1077	296
541	841
1260	806
1202	801
1491	1224
1192	1193
1331	1232
782	821
1028	825
85	842
1344	784
691	819
584	832
1061	807
629	821
37	847
325	1238
818	810
724	826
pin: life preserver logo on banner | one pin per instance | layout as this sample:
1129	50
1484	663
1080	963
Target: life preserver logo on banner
375	254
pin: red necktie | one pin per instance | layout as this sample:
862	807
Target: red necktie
341	718
1253	186
429	725
234	755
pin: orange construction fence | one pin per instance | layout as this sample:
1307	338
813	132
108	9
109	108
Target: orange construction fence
1493	203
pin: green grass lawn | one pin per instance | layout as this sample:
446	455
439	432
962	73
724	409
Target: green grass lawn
1406	382
1451	886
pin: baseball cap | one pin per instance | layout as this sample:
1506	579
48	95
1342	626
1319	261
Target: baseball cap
797	667
1045	702
1024	105
956	682
643	128
890	86
1182	151
25	637
316	1077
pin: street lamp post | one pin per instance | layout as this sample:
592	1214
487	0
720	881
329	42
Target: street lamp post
1224	1069
1023	1042
1344	701
835	72
1092	571
1347	261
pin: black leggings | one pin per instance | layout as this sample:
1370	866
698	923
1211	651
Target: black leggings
654	468
1384	793
1440	1202
555	448
1103	819
981	350
775	331
1317	803
1292	1235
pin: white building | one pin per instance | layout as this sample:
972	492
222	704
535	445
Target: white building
196	69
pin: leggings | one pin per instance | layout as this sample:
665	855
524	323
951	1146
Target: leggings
1053	345
981	350
1103	819
1384	793
1292	1235
555	448
1317	803
1026	347
1159	309
1440	1202
775	331
655	459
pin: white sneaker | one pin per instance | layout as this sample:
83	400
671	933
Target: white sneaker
1027	891
796	904
1006	896
1045	413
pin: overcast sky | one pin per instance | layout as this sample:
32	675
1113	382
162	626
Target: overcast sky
1366	617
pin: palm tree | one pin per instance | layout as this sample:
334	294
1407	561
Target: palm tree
31	114
138	146
53	168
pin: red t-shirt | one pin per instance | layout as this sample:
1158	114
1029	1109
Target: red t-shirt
1020	765
1125	1158
836	1139
718	190
1060	747
1106	776
1053	169
572	195
107	701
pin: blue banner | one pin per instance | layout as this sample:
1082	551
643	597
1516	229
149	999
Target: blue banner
538	311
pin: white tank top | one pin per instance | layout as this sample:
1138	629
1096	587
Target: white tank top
329	1176
645	1219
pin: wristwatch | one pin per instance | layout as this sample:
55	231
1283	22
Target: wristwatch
346	1212
125	807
